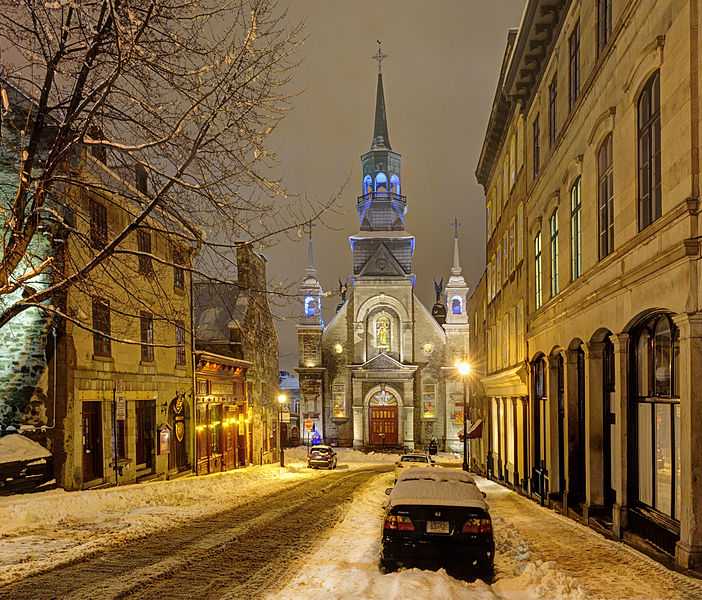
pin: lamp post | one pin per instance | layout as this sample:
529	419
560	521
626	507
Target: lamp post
464	370
282	399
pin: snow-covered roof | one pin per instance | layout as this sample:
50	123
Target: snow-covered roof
437	487
18	448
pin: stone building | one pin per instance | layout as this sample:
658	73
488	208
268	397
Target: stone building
235	321
501	172
381	372
108	387
609	94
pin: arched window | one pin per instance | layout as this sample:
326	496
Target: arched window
395	184
605	197
649	151
456	305
381	182
656	416
367	185
311	305
553	225
382	333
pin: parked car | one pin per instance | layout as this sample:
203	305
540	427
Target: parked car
322	456
437	517
412	460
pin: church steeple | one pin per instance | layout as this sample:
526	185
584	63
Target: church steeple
456	288
311	290
381	137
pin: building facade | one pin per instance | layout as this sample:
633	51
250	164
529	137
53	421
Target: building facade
234	321
609	94
381	372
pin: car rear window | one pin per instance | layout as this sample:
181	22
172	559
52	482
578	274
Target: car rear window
414	459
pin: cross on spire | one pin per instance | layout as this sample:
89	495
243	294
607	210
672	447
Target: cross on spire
379	56
456	225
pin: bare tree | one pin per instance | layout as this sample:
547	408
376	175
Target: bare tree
162	106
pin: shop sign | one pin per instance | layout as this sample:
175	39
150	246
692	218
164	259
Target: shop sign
164	439
308	424
285	416
121	408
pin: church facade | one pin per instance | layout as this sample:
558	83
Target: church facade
381	373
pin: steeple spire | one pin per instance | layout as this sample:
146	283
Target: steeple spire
310	252
456	268
381	138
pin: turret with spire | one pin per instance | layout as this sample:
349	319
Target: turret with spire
311	290
456	288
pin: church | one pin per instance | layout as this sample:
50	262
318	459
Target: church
381	373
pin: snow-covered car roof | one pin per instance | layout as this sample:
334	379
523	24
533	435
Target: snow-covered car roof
437	487
321	447
15	447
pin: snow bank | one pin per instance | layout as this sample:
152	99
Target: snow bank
15	447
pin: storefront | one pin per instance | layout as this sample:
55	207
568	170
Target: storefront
223	414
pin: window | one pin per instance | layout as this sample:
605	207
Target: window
536	149
456	305
657	416
605	197
505	180
180	343
98	224
489	218
367	185
429	400
505	257
553	224
649	150
512	160
575	231
395	184
552	99
147	337
101	324
498	259
537	270
511	246
144	247
339	399
381	182
604	23
574	66
520	232
520	142
178	272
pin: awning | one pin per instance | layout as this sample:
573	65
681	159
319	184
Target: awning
510	382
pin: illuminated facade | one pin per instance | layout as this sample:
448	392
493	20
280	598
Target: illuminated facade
380	373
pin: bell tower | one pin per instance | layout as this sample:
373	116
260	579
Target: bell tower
457	325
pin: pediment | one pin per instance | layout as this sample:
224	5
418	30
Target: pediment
382	263
383	362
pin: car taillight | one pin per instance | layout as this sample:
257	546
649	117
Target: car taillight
399	523
476	526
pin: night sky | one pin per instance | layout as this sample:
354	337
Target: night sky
440	76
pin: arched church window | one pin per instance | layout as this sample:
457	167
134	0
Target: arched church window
395	184
382	333
381	182
310	306
456	306
367	185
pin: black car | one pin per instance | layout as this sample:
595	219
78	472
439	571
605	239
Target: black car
437	517
321	456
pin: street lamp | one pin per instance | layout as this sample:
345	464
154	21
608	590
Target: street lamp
463	367
282	399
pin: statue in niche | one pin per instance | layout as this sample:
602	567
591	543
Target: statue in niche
382	333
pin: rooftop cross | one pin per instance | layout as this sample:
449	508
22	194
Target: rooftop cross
379	56
456	225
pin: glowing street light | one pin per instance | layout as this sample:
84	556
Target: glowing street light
464	369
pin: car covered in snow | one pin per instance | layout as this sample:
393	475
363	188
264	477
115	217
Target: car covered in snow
412	461
321	456
437	517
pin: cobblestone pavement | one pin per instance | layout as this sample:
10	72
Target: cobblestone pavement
239	553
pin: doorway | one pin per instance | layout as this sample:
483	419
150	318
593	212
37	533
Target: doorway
145	433
92	441
608	423
383	425
560	407
576	435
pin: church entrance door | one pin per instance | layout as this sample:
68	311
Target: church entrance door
383	425
382	417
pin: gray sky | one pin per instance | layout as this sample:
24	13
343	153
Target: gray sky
439	78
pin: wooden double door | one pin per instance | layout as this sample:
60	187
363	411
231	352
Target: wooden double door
92	441
382	425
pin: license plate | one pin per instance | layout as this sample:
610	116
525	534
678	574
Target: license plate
437	527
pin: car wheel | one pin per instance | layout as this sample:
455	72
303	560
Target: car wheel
388	566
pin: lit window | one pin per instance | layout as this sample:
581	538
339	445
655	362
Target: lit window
381	182
456	307
537	270
311	305
382	333
576	265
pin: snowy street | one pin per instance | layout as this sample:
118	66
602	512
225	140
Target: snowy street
265	532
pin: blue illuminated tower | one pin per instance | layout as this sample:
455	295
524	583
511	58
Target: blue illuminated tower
382	248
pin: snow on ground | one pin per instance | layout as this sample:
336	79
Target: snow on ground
44	529
583	565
